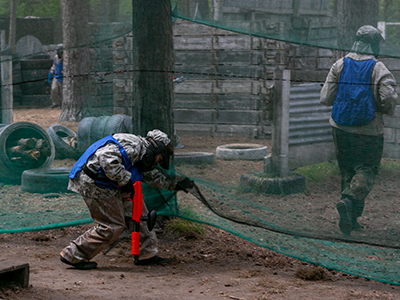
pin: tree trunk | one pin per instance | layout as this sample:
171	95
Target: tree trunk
13	25
153	65
76	84
110	10
348	21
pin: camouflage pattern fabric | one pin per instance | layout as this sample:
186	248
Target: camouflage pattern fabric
108	207
109	217
359	159
56	94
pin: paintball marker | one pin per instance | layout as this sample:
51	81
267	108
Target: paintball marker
48	83
179	79
137	200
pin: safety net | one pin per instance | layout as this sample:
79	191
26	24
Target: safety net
237	86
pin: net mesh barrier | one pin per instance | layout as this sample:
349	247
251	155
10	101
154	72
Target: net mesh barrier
264	169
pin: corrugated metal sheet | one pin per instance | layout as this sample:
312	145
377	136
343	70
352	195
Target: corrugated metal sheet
308	120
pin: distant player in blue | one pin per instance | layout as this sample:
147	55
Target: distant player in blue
360	90
56	71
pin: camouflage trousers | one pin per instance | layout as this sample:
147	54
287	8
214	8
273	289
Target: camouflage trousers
109	215
56	94
359	159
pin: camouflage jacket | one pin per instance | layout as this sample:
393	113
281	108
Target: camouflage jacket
109	158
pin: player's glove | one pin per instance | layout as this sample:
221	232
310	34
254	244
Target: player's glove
184	184
128	188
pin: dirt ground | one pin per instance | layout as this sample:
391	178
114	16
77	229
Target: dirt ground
215	265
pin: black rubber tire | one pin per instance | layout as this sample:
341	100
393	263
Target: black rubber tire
194	158
128	124
97	129
84	133
9	136
92	129
43	181
115	124
63	150
257	182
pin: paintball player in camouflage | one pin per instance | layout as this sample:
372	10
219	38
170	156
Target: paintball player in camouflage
361	89
57	73
104	175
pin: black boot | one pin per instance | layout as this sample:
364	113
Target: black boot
84	265
355	225
155	260
345	222
357	210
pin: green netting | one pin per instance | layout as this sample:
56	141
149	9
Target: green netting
233	63
321	23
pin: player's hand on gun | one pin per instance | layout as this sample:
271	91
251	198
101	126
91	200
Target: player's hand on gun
128	188
184	184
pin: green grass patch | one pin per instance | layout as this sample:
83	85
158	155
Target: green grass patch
184	228
390	164
319	172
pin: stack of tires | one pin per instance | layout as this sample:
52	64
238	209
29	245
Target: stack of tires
55	180
34	73
92	129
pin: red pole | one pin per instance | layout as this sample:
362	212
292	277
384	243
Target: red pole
136	214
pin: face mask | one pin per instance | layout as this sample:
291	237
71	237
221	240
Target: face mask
145	166
148	162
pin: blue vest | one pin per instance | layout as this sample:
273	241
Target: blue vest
58	71
355	103
106	183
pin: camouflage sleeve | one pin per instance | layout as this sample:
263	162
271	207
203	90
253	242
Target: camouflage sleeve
329	90
384	88
159	180
109	158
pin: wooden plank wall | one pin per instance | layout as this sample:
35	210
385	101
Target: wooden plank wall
226	92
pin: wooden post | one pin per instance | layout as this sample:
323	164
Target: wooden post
216	9
277	163
6	84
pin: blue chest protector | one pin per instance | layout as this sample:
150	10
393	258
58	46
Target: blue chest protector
106	183
355	103
58	71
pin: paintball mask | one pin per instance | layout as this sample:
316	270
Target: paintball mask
149	161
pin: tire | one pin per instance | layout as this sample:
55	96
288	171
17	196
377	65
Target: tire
259	183
58	133
128	124
241	152
194	158
9	136
115	124
43	181
84	133
97	129
92	129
